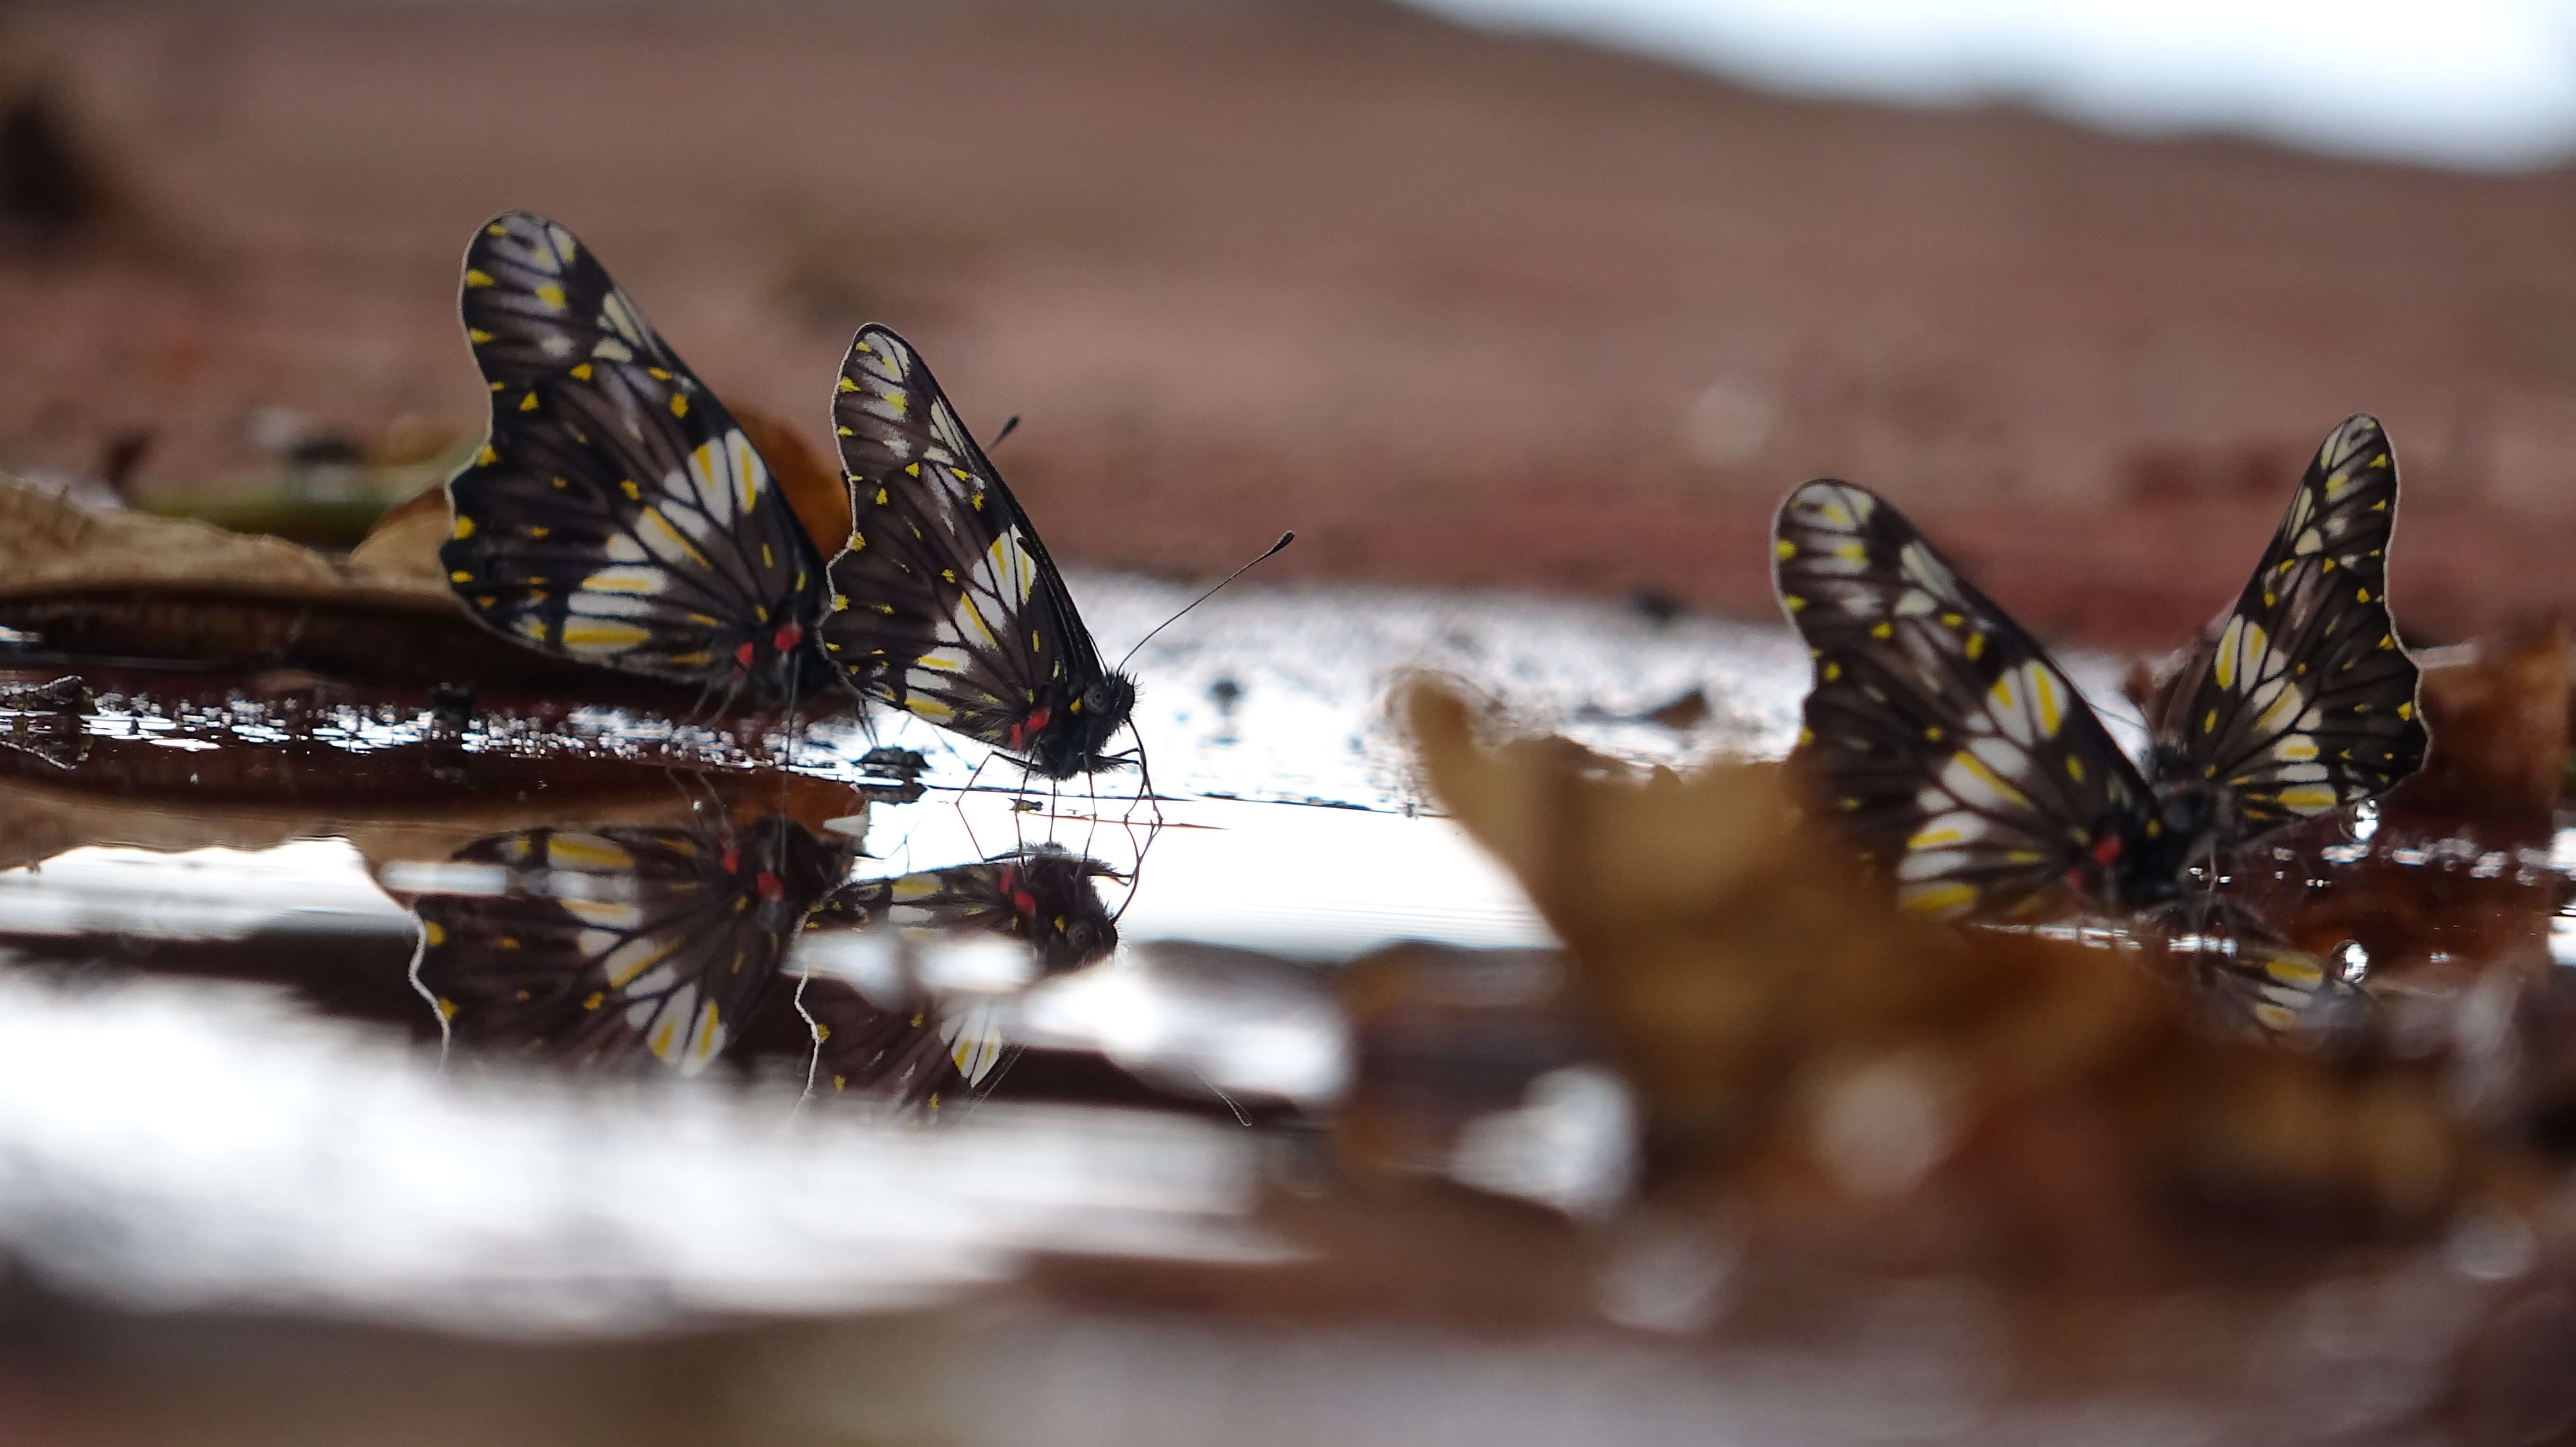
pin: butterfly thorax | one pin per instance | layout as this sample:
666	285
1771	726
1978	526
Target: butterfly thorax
776	659
807	867
1069	732
2146	858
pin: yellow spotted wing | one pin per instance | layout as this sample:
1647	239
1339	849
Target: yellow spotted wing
617	514
609	944
924	1050
2304	698
944	601
1952	748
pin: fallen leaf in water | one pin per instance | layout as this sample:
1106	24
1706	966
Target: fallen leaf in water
1909	1093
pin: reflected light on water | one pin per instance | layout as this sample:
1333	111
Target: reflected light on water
200	894
173	1145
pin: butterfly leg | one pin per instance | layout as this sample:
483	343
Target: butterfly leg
965	793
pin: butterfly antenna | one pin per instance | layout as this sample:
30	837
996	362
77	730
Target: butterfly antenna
2123	713
1284	540
1007	429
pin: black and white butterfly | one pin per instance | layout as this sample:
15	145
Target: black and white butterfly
1965	764
605	945
617	514
944	602
925	1050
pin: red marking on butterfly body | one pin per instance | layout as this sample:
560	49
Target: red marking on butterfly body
1029	728
2105	852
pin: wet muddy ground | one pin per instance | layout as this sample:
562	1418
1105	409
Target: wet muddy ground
249	1080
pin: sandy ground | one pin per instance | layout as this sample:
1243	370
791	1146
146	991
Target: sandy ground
1460	309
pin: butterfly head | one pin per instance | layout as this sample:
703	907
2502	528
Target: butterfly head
1072	736
1059	910
2145	855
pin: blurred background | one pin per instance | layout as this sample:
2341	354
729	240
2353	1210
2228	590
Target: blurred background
1554	294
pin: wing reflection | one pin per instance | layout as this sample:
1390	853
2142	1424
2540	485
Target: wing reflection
893	1032
598	946
2244	978
618	946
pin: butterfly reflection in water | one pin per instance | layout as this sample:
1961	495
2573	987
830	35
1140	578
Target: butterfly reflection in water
597	946
1966	765
618	515
616	945
906	1043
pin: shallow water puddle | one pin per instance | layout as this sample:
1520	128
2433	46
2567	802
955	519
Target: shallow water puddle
212	864
1289	822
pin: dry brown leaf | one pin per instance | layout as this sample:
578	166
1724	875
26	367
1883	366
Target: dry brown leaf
48	546
404	543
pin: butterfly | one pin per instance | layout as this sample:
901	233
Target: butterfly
943	600
1967	766
617	514
924	1050
598	946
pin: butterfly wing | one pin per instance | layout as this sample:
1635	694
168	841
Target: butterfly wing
1044	897
924	1050
1954	749
617	514
595	945
945	602
915	1051
2304	701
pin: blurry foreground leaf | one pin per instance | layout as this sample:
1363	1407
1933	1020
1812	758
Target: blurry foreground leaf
1912	1093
